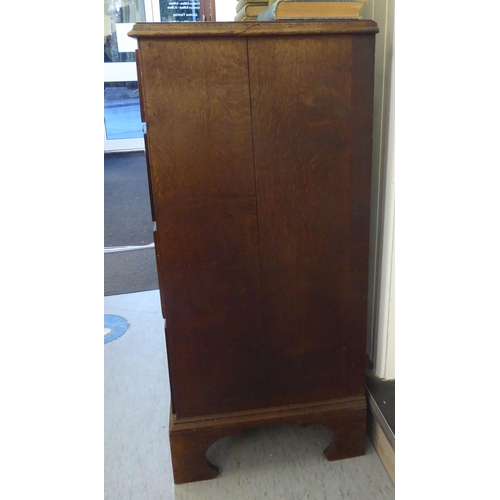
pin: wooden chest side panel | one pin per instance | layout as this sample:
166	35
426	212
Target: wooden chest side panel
356	298
313	235
199	128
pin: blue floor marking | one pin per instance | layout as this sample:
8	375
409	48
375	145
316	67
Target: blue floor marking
114	327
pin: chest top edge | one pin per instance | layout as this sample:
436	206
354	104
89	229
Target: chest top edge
244	29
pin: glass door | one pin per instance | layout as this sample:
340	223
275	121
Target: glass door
122	117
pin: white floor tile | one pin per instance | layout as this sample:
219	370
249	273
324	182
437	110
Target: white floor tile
279	462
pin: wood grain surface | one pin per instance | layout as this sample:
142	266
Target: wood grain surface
260	167
250	29
200	151
312	212
190	438
355	298
259	150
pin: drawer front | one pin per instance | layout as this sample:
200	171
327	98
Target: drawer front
151	191
140	85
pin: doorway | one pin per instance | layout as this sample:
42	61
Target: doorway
129	254
122	118
123	128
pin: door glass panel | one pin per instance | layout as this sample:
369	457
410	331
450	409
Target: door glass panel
119	17
179	10
122	115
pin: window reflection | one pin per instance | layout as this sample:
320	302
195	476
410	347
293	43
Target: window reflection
122	115
120	12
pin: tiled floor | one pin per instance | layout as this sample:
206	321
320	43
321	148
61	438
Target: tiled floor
282	462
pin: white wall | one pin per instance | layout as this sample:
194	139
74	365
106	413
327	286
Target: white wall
384	361
382	260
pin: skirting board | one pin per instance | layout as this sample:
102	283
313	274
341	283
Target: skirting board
381	437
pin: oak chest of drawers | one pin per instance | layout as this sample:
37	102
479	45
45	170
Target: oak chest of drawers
258	142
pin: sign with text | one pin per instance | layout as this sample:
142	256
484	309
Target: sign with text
180	10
